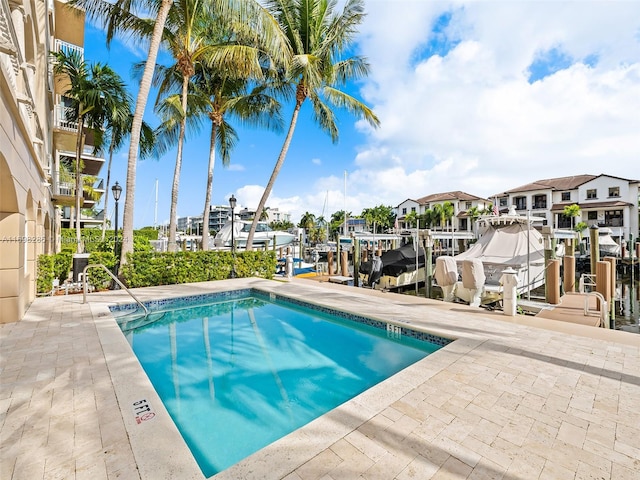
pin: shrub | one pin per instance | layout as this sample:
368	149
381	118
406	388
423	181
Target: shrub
92	240
163	268
44	282
62	265
98	278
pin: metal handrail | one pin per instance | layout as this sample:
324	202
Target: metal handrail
85	282
603	312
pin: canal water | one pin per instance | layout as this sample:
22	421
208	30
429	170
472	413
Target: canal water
627	306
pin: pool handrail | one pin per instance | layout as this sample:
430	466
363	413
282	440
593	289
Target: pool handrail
85	283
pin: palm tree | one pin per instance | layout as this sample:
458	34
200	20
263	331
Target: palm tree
307	222
95	91
115	17
195	37
223	96
249	17
317	38
474	214
411	218
118	128
571	211
428	217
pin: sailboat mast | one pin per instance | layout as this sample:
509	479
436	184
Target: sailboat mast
155	212
345	204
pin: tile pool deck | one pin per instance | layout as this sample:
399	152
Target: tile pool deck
512	398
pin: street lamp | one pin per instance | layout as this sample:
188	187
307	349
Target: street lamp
232	204
116	190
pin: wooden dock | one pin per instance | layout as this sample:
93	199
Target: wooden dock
580	308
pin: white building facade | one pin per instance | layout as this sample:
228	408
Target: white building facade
464	206
604	200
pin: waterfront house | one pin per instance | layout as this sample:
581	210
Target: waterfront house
604	200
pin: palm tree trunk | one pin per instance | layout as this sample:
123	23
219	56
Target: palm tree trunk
79	190
207	197
136	127
176	173
274	174
106	195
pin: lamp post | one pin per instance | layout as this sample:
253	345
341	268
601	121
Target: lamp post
232	204
116	190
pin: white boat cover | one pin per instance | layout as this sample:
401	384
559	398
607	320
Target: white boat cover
446	272
608	245
473	276
506	246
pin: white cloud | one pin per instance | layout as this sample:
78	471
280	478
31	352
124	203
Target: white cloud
468	119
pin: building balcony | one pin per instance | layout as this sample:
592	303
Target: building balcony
66	47
64	193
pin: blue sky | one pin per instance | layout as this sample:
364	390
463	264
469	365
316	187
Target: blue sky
475	96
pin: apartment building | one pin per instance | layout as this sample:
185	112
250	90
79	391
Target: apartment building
463	204
35	143
604	200
69	36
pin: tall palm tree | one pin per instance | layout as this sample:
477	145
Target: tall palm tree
318	37
223	96
118	128
119	17
307	222
95	91
195	36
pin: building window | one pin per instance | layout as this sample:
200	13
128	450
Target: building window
592	215
613	218
520	203
614	191
463	224
404	211
413	209
540	201
426	206
467	205
564	221
566	196
503	201
592	194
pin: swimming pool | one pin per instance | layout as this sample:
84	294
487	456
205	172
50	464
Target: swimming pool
238	370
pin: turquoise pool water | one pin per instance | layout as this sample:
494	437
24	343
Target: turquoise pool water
241	372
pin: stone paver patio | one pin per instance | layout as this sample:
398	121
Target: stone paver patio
512	398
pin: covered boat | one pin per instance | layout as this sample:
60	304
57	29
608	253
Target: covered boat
263	237
506	241
400	267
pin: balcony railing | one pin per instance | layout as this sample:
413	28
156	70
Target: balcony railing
60	118
66	47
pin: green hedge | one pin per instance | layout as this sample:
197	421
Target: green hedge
62	265
51	267
144	269
92	240
98	278
44	282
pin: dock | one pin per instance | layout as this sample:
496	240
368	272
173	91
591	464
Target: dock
580	308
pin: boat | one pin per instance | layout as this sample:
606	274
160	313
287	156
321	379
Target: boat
505	241
264	235
607	245
399	268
